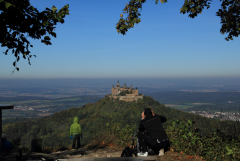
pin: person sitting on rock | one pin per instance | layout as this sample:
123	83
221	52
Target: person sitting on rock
75	133
7	146
151	132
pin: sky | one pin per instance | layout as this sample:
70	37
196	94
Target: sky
165	44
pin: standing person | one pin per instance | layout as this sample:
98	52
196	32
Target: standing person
7	146
151	132
75	133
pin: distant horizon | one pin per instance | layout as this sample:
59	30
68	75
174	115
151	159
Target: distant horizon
197	77
166	84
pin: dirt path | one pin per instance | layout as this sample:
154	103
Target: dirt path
94	152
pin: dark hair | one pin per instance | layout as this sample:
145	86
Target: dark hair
148	113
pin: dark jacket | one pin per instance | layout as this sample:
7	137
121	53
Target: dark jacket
7	146
154	128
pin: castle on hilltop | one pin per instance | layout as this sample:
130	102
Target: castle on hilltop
125	93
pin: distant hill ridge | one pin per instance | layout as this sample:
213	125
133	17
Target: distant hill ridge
21	98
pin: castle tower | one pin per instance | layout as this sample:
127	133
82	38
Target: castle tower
136	91
124	85
118	83
113	90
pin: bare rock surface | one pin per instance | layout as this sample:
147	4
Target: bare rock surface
100	152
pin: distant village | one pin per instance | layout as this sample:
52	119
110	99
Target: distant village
26	108
218	115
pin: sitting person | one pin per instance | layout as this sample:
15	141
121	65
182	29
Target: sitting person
151	132
7	146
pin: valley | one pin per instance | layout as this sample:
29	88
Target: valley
207	104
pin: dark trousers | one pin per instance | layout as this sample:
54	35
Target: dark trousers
76	138
144	140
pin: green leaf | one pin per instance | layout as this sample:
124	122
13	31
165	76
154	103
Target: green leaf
54	9
190	122
47	38
32	8
7	5
45	23
190	134
229	151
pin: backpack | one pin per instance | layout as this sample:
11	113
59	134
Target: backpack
128	152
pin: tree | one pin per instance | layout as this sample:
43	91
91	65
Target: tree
229	14
18	17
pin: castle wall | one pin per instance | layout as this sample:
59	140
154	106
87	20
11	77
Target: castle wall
135	91
127	98
130	95
114	91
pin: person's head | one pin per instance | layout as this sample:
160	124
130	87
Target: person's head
4	136
148	112
75	120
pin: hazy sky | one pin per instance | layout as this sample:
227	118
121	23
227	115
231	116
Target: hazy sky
165	44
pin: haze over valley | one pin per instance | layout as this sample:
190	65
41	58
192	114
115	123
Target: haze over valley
38	98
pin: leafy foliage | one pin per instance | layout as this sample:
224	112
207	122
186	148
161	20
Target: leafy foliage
230	18
183	138
229	14
19	17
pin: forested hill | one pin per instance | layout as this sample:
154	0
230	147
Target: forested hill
54	130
